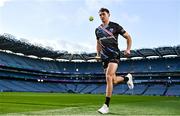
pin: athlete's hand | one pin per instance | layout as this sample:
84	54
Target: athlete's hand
97	58
127	53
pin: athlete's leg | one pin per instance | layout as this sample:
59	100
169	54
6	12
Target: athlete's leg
110	75
105	108
110	72
118	79
127	79
111	78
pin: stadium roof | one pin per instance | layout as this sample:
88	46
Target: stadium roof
9	42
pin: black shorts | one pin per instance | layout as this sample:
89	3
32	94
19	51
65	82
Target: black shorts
106	62
114	58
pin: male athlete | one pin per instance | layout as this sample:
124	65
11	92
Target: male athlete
107	49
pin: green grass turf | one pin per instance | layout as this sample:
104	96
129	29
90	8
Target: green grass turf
23	103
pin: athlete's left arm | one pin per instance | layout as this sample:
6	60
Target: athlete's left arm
129	43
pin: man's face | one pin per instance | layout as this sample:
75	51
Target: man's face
104	16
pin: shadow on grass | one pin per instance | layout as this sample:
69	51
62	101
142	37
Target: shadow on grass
113	113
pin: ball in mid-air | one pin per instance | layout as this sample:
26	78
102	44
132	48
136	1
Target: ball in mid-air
91	18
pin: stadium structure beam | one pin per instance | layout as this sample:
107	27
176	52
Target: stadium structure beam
5	43
30	51
71	57
19	48
175	50
61	57
82	57
139	53
158	53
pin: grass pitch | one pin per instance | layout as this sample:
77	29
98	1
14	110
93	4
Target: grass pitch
22	103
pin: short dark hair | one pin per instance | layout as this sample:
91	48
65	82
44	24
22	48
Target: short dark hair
104	10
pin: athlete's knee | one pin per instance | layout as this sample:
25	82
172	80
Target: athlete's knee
115	81
109	77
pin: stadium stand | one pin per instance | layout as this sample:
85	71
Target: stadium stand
139	89
155	89
173	90
152	76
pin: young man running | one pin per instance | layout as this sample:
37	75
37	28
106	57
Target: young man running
107	49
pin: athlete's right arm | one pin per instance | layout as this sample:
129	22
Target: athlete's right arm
98	46
98	49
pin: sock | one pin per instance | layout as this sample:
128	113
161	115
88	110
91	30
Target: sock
107	101
126	79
